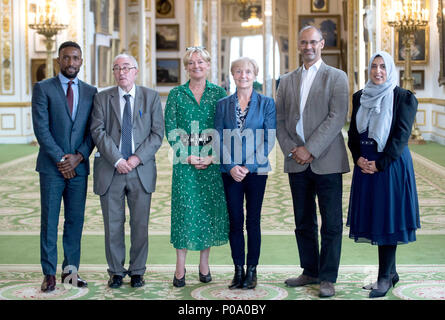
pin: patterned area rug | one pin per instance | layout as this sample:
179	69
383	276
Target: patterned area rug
20	215
20	198
416	283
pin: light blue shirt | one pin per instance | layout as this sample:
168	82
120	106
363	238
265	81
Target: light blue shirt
75	86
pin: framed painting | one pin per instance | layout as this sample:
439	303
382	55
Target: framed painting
331	59
104	16
329	26
104	67
165	9
319	6
167	37
419	50
441	28
38	69
419	79
168	72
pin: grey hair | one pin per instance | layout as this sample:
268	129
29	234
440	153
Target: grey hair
245	61
125	55
310	27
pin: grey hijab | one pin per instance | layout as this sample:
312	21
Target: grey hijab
376	103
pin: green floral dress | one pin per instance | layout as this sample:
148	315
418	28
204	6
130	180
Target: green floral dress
199	217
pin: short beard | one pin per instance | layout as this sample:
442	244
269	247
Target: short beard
69	76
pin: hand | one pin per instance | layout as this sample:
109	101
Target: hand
69	163
198	162
133	161
204	162
69	174
367	167
301	155
123	167
238	173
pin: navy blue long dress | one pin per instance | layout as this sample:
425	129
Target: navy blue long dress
383	207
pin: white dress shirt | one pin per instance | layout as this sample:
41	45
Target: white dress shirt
307	78
122	102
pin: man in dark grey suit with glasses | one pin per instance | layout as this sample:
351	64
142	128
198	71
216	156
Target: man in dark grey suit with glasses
127	127
312	104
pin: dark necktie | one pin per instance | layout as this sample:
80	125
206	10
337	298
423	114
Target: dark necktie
126	129
70	97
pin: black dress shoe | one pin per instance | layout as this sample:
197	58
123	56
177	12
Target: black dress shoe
394	280
80	283
383	286
238	277
178	283
115	281
250	279
137	281
49	283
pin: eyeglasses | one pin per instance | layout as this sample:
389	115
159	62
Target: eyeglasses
125	69
313	43
195	48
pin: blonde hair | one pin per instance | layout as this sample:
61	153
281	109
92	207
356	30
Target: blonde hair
191	50
243	61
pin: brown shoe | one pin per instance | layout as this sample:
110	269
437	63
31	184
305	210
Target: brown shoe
80	283
326	289
301	280
49	283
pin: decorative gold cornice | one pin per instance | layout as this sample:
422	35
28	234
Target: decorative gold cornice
439	102
25	104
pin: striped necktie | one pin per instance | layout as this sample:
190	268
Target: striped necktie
126	129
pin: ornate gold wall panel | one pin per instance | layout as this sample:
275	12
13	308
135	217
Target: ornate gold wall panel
385	31
6	48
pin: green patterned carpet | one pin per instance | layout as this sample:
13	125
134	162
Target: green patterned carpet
20	277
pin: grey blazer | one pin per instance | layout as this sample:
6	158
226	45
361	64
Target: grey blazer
324	116
148	132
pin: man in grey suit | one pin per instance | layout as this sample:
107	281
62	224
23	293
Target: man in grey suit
312	104
127	127
61	109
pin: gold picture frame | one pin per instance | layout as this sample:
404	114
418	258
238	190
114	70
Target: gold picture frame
168	72
104	76
319	6
167	37
420	49
165	9
441	28
38	70
329	25
104	16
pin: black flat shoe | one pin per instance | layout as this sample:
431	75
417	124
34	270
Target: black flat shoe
115	281
178	283
383	286
250	280
238	278
205	278
137	281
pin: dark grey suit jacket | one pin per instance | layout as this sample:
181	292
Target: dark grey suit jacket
148	132
324	116
54	129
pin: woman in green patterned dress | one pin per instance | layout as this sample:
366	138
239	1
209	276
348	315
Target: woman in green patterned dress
199	218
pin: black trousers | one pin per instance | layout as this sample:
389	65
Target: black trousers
305	187
252	189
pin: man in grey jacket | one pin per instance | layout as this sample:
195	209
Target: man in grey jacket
312	104
127	127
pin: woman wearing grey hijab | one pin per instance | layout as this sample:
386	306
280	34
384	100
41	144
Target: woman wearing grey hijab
383	204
